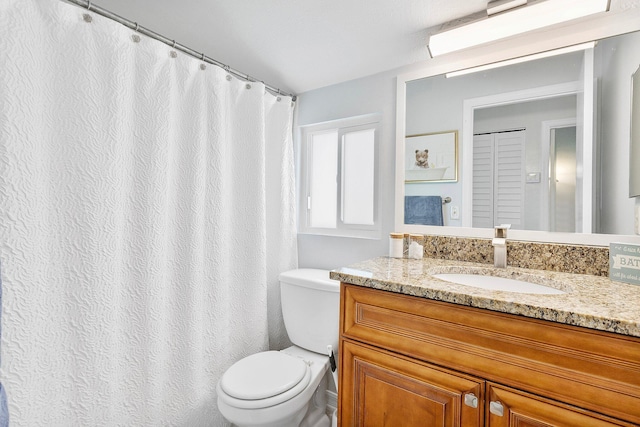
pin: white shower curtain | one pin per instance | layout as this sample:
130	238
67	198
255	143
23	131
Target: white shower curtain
146	209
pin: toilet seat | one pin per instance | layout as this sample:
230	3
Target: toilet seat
264	379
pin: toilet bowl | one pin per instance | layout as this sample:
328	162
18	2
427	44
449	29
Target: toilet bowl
287	388
276	397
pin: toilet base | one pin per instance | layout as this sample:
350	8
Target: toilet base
316	415
309	416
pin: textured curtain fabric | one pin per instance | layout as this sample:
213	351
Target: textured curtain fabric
146	210
4	409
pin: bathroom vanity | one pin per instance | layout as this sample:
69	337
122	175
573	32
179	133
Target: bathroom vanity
419	351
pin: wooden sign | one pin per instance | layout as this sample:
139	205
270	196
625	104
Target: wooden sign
624	263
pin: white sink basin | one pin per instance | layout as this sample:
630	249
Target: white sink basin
497	283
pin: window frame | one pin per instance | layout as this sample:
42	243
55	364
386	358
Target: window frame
342	126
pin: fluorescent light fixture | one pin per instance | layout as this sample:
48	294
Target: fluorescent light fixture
533	16
568	49
498	6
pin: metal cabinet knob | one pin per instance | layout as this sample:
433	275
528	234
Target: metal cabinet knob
496	408
470	399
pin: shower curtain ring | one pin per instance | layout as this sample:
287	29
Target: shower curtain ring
202	57
136	28
174	44
89	5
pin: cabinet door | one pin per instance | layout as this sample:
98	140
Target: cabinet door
511	408
378	388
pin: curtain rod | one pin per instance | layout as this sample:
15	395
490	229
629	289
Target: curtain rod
87	4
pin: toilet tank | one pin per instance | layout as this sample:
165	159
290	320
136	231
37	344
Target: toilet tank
310	308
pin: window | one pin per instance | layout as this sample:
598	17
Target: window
339	167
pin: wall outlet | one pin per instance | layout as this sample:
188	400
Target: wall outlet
455	212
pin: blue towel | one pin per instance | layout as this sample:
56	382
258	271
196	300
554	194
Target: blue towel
425	210
4	409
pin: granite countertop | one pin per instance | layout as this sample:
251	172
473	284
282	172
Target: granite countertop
589	301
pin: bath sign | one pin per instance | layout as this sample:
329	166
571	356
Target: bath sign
624	263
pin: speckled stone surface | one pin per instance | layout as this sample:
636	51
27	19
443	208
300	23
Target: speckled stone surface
541	256
589	301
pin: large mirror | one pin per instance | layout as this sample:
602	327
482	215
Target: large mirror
543	145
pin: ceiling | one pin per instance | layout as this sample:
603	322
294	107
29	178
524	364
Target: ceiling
299	45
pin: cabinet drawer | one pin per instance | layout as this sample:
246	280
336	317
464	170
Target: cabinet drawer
590	369
506	407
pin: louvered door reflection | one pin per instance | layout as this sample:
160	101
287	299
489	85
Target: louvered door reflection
498	179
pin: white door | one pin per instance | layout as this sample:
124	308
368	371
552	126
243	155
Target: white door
482	197
498	179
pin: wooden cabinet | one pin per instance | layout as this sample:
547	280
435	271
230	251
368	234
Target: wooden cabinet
408	361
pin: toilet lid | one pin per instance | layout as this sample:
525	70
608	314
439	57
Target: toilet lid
263	375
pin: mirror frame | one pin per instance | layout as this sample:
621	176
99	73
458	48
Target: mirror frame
634	148
596	27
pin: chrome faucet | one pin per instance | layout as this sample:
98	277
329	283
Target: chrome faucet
500	246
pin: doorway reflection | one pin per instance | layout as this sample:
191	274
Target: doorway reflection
512	158
562	179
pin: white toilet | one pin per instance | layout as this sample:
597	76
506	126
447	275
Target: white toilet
287	388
